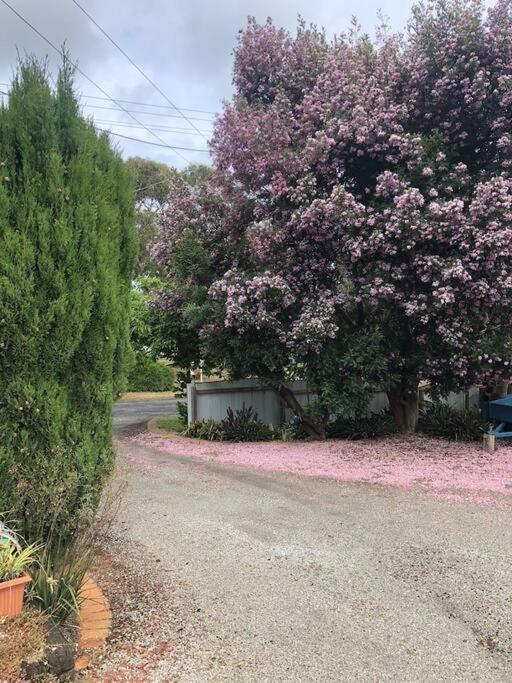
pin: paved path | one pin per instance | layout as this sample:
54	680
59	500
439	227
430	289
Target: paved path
132	414
296	579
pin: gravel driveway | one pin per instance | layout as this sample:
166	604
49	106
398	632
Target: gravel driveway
265	576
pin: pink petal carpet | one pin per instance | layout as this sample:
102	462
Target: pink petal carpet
453	471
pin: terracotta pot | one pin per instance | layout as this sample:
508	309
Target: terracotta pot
11	595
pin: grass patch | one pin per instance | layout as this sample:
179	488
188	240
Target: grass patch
171	424
146	395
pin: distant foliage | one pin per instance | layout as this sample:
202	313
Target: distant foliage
67	250
440	419
148	374
364	427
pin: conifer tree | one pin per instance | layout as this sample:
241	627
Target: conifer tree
67	251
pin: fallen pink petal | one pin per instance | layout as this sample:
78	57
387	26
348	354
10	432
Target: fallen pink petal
452	471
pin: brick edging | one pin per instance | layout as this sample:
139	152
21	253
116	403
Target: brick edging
94	621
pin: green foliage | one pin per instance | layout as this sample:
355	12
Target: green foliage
205	429
238	425
152	182
57	579
148	374
442	420
171	424
363	427
67	249
244	425
14	560
182	410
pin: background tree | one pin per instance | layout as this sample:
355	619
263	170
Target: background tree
357	231
67	250
152	182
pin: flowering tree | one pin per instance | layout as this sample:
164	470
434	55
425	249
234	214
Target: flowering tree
358	228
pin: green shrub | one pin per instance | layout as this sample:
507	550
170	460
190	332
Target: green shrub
57	580
67	250
182	410
244	425
60	568
171	424
148	374
440	419
205	429
364	427
238	425
15	560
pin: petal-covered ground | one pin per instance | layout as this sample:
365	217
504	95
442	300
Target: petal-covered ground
450	470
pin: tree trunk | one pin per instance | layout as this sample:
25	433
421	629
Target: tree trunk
316	431
404	408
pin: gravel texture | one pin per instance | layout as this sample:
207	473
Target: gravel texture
221	571
449	470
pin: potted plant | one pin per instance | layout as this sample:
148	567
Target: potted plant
14	561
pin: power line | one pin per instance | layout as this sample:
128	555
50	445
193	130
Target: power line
148	142
146	104
104	92
164	129
148	79
148	187
149	113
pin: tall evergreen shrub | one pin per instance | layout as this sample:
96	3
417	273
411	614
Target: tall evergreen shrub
67	251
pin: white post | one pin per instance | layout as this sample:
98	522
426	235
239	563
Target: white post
489	443
192	399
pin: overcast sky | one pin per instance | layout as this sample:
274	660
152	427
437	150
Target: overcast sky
185	46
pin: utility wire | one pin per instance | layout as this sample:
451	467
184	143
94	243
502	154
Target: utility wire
104	92
149	113
156	144
164	129
148	187
143	104
146	104
148	79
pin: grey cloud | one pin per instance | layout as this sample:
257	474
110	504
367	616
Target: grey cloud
185	46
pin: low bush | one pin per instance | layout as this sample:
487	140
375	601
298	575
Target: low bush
171	424
60	566
238	425
205	429
148	374
182	410
441	420
364	427
57	580
244	425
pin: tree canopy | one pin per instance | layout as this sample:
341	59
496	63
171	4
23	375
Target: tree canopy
356	231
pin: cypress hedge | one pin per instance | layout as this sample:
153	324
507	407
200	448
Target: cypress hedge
67	252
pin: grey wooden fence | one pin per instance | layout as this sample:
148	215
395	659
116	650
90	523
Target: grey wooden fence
210	400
